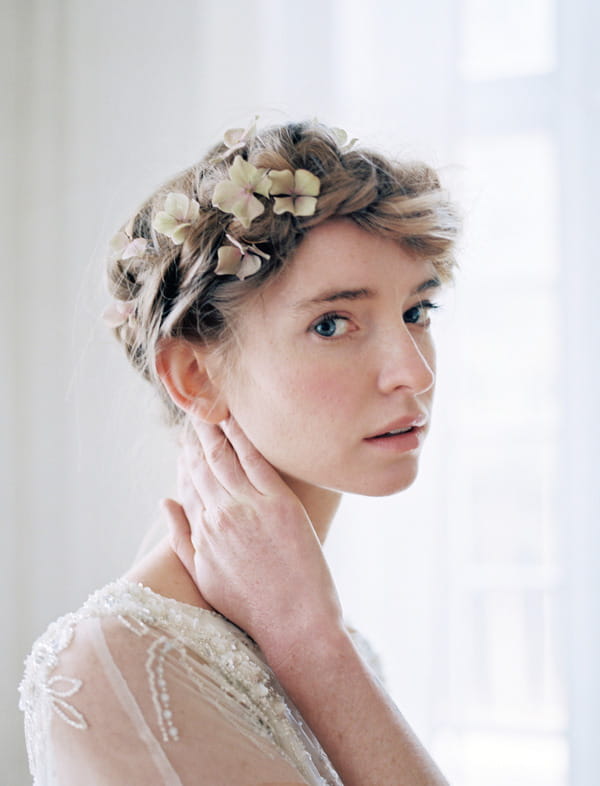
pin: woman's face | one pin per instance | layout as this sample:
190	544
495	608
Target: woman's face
336	359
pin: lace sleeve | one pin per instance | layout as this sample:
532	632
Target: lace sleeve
113	700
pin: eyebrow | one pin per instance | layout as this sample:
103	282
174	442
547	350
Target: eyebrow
431	283
331	296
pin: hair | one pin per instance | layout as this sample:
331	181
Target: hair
174	287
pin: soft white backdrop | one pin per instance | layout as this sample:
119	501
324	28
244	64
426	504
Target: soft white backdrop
479	585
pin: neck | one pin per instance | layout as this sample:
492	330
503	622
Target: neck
320	504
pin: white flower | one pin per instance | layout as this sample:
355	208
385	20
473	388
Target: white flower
179	214
236	195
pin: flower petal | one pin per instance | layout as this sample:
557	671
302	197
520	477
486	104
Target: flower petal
262	183
283	205
226	195
304	206
282	180
254	208
229	261
343	141
135	249
165	223
180	233
241	172
113	317
249	177
237	137
249	265
193	211
306	184
118	312
177	205
233	137
118	244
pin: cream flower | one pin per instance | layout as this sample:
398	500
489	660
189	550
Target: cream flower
123	247
300	189
344	142
236	195
239	260
178	216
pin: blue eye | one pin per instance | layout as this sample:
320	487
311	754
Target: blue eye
419	314
330	326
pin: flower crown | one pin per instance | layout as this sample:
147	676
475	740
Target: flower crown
292	192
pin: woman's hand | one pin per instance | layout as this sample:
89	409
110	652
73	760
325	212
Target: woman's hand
248	543
256	558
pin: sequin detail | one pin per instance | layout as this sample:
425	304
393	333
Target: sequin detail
217	660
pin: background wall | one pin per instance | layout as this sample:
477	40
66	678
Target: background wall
480	584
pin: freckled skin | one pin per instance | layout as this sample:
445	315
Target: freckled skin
308	402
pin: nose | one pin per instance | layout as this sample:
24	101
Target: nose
406	363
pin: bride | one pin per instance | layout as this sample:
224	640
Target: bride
279	295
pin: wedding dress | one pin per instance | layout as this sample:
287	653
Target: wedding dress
135	688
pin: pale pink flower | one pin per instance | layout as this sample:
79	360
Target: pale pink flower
124	247
179	214
294	192
118	313
239	260
236	195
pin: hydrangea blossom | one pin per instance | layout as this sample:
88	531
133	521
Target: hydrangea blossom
236	195
295	192
179	213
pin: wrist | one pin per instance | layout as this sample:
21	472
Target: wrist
294	648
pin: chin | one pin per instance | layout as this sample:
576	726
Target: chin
387	489
382	485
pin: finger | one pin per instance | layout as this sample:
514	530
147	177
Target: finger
193	503
221	459
263	476
193	467
179	533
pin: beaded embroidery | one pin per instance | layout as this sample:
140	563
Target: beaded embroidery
234	674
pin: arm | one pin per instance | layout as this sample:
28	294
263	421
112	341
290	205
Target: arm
246	540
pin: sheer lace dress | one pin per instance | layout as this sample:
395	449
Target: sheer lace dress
136	688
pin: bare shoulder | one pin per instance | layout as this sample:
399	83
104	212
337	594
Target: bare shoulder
162	571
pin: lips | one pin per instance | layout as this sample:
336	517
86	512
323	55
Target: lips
402	426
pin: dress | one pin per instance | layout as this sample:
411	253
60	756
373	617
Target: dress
135	688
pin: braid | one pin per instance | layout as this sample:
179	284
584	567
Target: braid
174	287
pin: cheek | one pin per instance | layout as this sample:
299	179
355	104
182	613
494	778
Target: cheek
319	390
290	399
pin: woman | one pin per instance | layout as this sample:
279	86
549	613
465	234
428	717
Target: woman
279	295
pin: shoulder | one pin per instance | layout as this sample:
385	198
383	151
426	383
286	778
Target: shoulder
163	572
99	683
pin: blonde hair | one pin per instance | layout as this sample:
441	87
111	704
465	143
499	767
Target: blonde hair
174	287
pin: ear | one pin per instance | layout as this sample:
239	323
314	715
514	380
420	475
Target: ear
185	372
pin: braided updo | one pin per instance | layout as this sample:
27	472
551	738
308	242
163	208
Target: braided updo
174	289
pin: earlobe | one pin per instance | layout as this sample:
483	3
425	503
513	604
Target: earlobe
182	368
